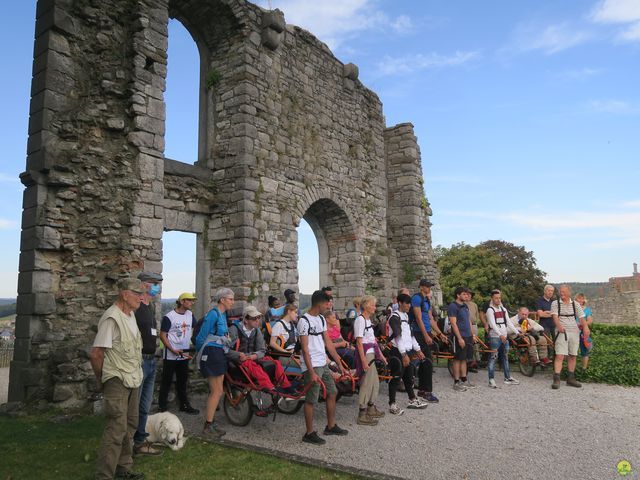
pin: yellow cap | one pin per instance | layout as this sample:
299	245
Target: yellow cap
186	296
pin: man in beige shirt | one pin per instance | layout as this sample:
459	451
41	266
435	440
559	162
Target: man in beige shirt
116	359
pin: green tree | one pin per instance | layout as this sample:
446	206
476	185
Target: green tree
469	266
489	265
521	278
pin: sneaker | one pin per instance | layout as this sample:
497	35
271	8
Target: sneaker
431	398
129	475
459	387
511	381
468	384
365	419
394	409
145	448
373	412
313	438
212	431
335	430
189	410
546	361
417	404
492	383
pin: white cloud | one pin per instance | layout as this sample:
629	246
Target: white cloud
625	12
616	11
411	63
7	224
7	178
578	73
610	106
335	21
631	204
550	39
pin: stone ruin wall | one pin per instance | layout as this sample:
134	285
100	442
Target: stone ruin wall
287	132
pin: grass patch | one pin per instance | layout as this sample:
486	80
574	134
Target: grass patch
34	447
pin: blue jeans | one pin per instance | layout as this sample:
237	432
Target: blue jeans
146	396
502	354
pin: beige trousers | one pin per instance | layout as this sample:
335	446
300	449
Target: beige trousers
370	385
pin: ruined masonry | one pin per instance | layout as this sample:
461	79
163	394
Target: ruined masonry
286	132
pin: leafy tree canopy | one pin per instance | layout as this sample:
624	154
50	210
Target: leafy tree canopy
489	265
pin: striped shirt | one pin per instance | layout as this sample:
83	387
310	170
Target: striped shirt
567	318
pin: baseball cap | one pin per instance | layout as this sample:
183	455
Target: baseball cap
186	296
132	284
251	311
149	277
425	283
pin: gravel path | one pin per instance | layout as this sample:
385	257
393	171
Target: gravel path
525	431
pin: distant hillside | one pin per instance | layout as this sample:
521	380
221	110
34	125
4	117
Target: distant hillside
7	309
5	301
590	289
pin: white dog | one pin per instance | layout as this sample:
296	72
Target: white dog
166	428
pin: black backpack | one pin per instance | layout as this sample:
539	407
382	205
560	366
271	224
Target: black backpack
298	347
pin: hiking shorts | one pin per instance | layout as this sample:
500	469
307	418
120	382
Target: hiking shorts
567	344
325	374
460	353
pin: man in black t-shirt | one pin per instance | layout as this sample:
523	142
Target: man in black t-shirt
146	320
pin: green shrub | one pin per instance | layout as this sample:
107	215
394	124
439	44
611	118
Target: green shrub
607	329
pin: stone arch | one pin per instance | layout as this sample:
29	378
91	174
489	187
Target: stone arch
340	248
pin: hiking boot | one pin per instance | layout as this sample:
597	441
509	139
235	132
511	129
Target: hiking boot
417	404
313	438
145	448
429	397
335	430
545	361
556	381
459	387
365	419
189	410
374	412
212	431
394	409
511	381
129	475
492	383
571	380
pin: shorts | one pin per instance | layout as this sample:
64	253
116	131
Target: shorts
213	362
325	374
567	343
462	354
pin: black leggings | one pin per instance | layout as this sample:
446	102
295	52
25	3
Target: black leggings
425	371
398	371
181	369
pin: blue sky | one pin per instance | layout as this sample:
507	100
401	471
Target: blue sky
527	114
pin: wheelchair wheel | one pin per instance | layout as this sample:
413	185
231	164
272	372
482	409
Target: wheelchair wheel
240	414
289	406
524	362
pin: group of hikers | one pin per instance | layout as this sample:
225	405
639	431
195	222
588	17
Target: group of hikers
322	346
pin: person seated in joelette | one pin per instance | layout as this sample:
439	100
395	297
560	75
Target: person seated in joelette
251	350
284	337
344	349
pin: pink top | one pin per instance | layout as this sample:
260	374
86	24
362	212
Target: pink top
334	332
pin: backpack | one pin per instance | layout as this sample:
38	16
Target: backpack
504	313
573	305
353	332
291	340
298	347
388	333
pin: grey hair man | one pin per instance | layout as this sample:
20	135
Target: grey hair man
116	360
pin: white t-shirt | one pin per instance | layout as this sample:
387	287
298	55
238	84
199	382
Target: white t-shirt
405	342
109	332
363	328
178	328
278	330
313	326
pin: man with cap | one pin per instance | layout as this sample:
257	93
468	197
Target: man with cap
422	323
250	353
146	320
175	334
116	360
290	298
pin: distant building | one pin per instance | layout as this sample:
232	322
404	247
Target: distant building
6	335
626	284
